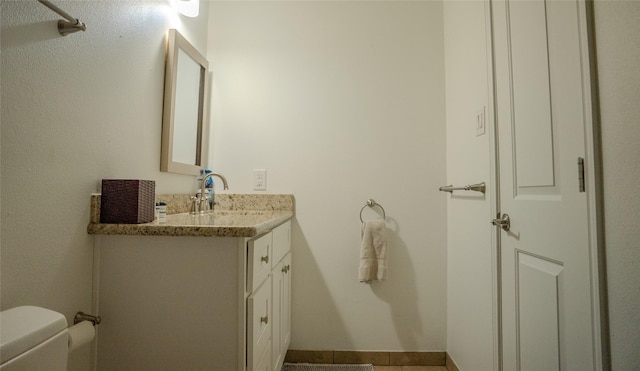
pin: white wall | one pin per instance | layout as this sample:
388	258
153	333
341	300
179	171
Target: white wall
341	102
76	109
618	47
469	255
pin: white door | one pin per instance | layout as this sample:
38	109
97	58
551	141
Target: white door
542	114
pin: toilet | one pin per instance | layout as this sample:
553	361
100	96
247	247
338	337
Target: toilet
33	338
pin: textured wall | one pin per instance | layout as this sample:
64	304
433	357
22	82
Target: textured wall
75	109
618	46
341	102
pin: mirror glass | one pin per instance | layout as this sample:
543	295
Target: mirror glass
184	123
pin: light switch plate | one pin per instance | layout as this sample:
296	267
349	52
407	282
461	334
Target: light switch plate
259	179
481	123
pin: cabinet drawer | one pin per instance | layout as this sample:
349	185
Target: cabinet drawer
265	362
259	264
259	318
281	241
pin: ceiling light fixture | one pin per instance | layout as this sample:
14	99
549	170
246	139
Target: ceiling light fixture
189	8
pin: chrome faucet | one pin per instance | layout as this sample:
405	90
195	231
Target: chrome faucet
204	204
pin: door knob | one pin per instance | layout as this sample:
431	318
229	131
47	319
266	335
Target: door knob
504	222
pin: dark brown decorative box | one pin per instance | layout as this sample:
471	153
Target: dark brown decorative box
127	201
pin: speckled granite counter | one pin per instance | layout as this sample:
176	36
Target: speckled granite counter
235	215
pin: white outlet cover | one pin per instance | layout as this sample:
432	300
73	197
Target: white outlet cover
259	179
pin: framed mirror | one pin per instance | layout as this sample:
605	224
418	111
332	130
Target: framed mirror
184	120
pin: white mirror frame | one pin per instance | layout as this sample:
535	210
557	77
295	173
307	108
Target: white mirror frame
176	43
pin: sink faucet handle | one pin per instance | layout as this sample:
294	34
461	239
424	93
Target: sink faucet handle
195	202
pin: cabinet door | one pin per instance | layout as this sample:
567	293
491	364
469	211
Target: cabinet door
281	329
285	306
259	318
278	283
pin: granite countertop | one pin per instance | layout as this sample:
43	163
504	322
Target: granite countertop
235	215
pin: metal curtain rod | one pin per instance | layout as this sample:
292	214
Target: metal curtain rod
65	27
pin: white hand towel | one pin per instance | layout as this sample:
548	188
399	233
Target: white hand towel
373	251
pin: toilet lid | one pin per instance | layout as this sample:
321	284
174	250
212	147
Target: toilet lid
23	328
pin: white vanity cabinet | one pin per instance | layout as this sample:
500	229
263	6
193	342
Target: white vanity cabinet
193	303
269	299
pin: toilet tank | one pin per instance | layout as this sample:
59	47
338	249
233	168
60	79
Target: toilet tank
33	338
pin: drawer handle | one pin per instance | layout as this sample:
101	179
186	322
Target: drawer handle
264	319
265	259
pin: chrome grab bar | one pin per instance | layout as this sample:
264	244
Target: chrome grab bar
479	187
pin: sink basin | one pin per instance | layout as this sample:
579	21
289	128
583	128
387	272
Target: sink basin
221	218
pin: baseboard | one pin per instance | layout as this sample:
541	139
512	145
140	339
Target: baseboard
451	365
374	358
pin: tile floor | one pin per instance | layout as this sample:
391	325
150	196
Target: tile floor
382	361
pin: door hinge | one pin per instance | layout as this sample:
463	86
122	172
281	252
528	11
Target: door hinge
581	186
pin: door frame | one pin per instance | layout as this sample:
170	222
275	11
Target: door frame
493	191
593	183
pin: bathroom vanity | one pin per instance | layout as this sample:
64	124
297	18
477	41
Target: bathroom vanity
204	292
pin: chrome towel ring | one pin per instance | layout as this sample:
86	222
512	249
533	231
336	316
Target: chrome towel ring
371	203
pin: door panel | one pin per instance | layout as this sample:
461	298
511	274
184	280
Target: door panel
538	289
531	94
546	302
